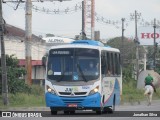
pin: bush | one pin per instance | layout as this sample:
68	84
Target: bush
15	86
37	90
13	73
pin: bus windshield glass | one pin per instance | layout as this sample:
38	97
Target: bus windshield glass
73	64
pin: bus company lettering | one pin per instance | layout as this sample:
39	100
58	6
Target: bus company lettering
149	35
56	41
60	52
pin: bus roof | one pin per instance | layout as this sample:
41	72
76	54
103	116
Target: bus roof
87	44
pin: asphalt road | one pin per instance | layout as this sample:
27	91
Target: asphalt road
122	112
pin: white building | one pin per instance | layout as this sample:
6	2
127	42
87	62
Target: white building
15	44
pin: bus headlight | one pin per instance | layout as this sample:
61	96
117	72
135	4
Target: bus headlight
50	90
95	90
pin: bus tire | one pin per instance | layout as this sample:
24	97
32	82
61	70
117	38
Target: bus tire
108	109
53	112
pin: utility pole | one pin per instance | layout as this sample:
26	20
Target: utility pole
83	22
28	34
3	61
154	44
123	19
137	47
89	11
28	39
92	18
136	15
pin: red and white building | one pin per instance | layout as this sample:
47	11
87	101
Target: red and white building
15	44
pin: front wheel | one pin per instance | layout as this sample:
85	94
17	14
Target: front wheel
108	110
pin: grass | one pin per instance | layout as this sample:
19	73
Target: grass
132	95
36	97
33	99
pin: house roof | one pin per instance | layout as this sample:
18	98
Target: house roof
15	31
34	62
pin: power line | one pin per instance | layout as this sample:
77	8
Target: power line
78	7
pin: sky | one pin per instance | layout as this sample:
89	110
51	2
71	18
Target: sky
69	25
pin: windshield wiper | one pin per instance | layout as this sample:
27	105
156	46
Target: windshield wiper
83	76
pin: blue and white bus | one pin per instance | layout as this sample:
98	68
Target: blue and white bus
83	75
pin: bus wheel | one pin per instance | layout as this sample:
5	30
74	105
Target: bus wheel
107	110
53	112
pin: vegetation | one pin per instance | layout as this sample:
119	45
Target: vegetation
20	94
133	95
130	92
14	72
33	99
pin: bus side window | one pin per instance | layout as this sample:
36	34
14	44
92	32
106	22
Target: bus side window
109	70
103	63
113	63
119	65
116	63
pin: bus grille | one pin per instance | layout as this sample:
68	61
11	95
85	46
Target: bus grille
72	101
80	93
69	93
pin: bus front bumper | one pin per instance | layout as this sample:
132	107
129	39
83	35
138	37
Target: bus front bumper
76	103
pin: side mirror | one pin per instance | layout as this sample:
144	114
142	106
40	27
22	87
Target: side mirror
44	60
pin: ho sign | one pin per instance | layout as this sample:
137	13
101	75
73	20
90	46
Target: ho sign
146	35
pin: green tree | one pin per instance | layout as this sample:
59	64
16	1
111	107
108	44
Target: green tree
150	58
128	53
13	73
127	49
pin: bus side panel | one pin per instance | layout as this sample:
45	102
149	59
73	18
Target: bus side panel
115	93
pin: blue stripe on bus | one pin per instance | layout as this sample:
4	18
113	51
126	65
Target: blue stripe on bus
87	101
116	92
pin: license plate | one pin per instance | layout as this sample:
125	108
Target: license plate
72	105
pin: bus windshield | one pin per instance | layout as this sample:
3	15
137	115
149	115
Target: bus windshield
73	64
